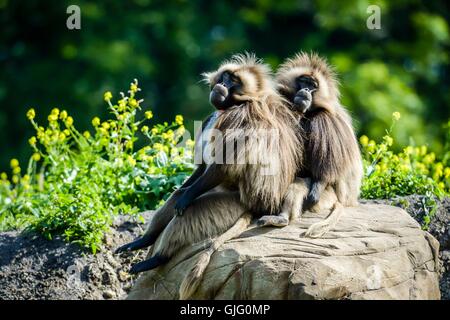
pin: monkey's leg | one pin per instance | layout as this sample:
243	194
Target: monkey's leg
209	215
317	187
159	221
211	178
292	205
192	280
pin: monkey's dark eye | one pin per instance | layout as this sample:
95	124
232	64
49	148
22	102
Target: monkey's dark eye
229	80
306	82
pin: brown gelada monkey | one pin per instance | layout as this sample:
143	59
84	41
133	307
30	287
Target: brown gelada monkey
332	158
220	198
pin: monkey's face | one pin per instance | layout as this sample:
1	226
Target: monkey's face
308	83
305	86
239	80
225	90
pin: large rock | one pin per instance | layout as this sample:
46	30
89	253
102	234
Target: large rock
375	252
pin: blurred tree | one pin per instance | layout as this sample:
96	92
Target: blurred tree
167	44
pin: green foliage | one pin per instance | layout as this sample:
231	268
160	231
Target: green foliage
414	170
75	183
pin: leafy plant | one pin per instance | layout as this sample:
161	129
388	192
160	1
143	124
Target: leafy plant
75	183
414	170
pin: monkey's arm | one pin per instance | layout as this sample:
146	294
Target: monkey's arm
210	179
195	175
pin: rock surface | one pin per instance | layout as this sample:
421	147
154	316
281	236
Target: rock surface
375	252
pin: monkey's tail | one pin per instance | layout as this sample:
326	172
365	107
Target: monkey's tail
193	278
318	229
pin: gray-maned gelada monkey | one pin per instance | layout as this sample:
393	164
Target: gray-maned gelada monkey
332	157
243	92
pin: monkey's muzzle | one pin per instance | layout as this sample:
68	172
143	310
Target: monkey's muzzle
303	100
218	96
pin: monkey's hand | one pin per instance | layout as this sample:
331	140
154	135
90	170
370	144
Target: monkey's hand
183	202
139	243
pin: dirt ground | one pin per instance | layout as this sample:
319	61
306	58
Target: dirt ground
34	268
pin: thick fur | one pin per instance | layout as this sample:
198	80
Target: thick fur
261	109
332	155
213	213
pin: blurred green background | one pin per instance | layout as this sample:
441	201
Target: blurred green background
167	44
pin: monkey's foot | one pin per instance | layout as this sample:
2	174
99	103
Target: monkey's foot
275	221
317	230
149	264
312	199
137	244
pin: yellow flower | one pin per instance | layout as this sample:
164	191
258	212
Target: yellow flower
63	115
364	140
14	163
31	114
62	136
396	116
55	111
105	125
69	121
388	140
149	114
447	173
179	119
66	132
190	143
107	96
52	117
26	178
154	130
144	129
87	134
103	131
4	176
409	150
158	146
122	104
138	180
129	144
134	87
32	141
441	185
96	122
36	156
16	170
131	161
133	103
423	150
181	130
15	179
